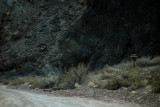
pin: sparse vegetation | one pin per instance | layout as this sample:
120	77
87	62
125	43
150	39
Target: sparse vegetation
4	81
155	80
131	75
33	82
133	78
147	61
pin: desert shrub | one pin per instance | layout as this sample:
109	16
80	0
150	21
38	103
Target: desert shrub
156	60
124	75
144	61
124	66
91	84
106	68
127	74
134	78
105	73
72	76
17	81
134	75
147	61
155	80
111	84
4	81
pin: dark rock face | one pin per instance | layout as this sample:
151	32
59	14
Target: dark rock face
110	30
45	36
30	31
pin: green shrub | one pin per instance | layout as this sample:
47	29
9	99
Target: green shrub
111	84
72	76
133	76
124	75
4	81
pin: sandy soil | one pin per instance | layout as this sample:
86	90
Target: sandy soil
20	98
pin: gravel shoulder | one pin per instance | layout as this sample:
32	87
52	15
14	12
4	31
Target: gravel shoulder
24	98
120	96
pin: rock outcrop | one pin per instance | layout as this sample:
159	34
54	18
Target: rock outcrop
30	31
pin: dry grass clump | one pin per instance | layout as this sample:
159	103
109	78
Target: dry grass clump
4	81
155	80
147	61
156	60
33	82
72	76
111	84
91	84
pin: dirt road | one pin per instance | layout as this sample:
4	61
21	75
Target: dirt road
19	98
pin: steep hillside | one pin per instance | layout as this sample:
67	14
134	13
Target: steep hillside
30	31
46	36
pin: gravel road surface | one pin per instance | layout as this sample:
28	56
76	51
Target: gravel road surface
20	98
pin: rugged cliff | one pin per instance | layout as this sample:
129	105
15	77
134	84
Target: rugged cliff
46	36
